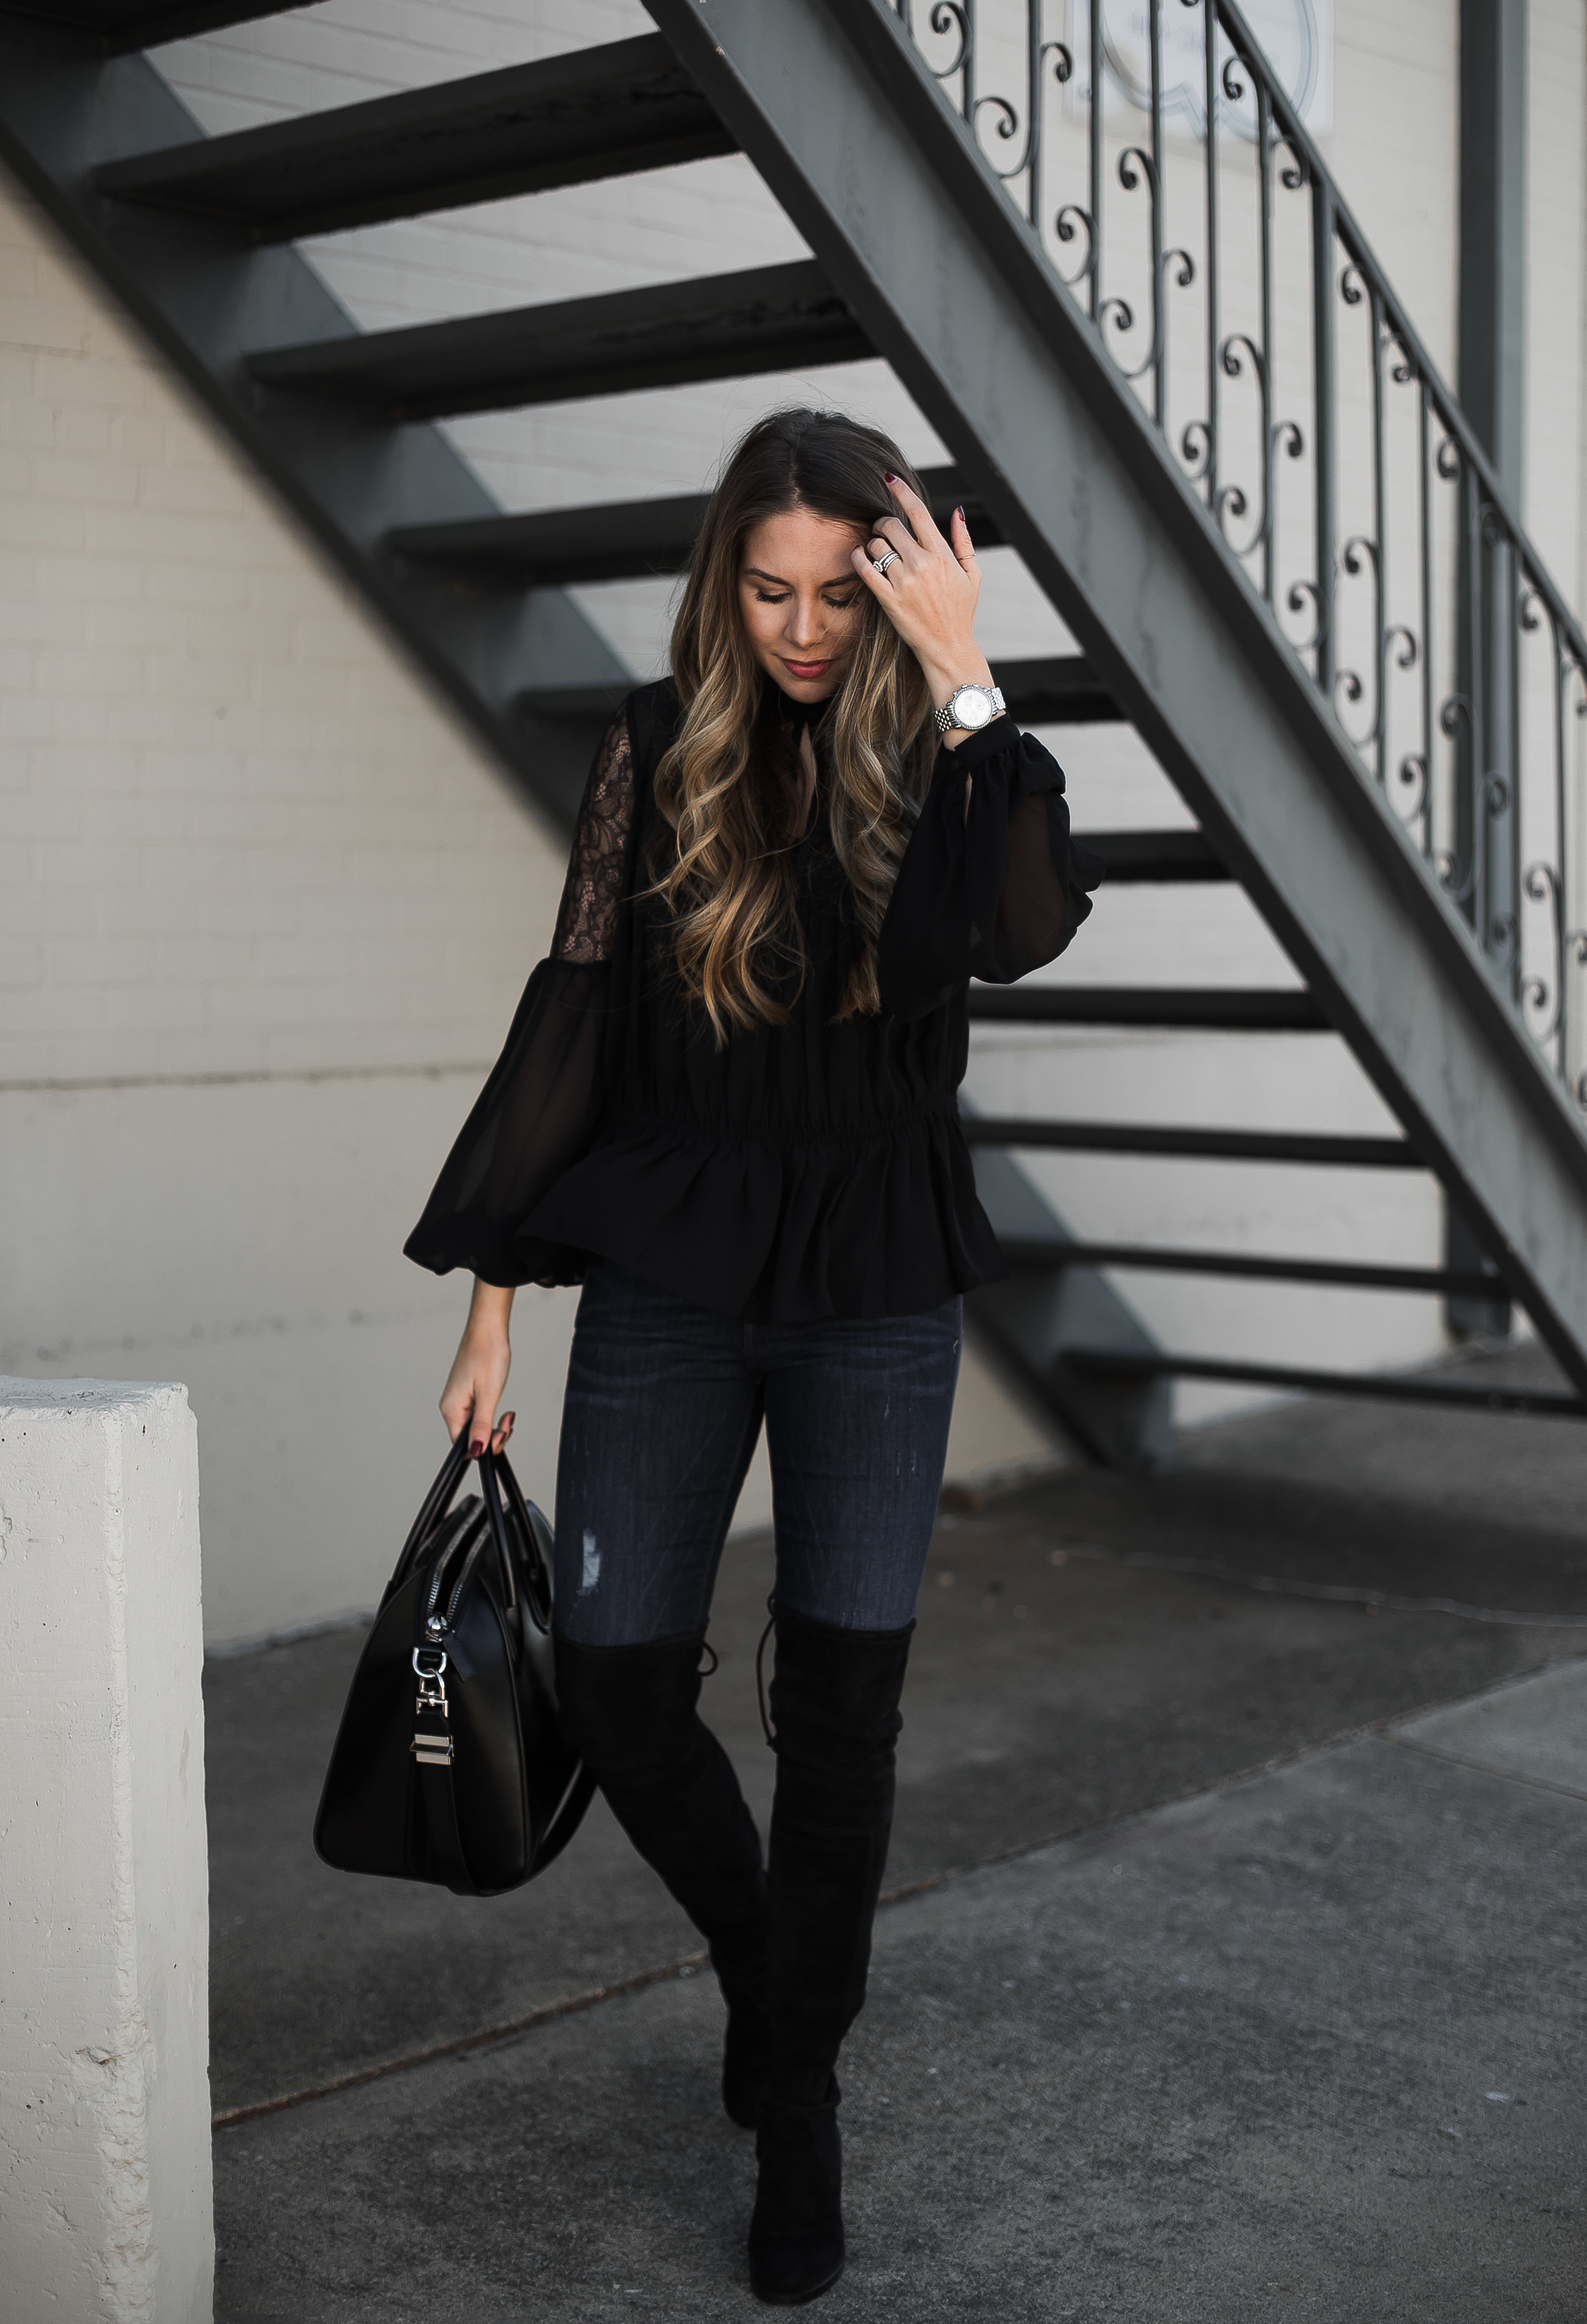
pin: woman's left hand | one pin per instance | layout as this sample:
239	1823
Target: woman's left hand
929	591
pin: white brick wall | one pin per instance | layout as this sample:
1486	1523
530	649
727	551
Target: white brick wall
238	836
264	912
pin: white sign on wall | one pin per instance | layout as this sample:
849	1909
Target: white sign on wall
1296	37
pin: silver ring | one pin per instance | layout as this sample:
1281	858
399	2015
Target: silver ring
883	562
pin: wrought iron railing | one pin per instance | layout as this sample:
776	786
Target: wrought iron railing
1228	283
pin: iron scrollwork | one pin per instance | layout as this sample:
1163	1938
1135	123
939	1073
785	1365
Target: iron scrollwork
1467	743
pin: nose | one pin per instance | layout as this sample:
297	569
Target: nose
806	623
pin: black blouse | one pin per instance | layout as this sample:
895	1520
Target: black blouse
810	1169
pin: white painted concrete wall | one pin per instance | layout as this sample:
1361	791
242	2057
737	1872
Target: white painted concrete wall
105	2181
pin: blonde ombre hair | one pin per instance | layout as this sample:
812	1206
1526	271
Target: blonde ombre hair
727	879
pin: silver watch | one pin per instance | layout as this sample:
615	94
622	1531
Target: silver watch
971	706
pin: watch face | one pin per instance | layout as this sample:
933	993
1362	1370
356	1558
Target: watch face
972	706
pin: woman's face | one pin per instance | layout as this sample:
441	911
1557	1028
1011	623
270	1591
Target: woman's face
799	600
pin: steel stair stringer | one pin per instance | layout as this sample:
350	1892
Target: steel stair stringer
208	298
833	107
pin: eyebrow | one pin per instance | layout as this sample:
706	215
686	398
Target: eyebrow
759	573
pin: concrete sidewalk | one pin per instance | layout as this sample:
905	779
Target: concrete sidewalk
1065	1672
1087	1648
1302	2047
1235	1925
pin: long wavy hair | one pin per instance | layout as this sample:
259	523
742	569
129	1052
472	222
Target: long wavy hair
725	790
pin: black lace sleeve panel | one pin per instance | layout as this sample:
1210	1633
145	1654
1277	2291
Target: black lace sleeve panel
598	867
993	888
538	1112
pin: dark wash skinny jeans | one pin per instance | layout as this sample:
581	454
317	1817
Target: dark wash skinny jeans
664	1405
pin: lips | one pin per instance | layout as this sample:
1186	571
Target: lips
806	669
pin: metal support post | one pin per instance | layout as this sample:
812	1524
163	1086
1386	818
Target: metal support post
1492	382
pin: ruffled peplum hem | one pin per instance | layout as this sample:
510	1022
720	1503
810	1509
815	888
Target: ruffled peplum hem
886	1223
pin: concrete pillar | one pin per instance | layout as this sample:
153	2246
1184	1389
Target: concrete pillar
105	2179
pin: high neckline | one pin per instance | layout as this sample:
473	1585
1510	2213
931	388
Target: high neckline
792	714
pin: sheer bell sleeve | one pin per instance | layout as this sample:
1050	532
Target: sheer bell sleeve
541	1106
993	888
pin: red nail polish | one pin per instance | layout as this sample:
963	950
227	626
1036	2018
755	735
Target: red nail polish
475	1447
890	478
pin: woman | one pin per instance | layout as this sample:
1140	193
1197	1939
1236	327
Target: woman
727	1106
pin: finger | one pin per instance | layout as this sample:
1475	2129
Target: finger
921	520
894	533
960	542
893	554
877	582
502	1431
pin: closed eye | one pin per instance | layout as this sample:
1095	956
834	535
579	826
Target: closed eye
781	596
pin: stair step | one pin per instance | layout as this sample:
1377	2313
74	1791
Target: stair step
1057	690
548	549
613	541
1060	678
1156	858
581	702
1330	1150
1449	1283
1209	1009
143	24
596	112
1549	1403
627	540
767	318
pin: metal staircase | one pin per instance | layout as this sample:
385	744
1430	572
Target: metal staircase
1383	763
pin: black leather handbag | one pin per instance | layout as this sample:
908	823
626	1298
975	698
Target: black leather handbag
449	1764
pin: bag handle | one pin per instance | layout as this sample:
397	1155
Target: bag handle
495	1474
450	1579
434	1505
537	1579
491	1488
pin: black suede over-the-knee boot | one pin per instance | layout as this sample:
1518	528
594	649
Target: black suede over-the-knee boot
631	1713
835	1706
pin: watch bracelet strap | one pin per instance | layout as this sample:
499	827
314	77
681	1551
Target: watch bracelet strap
944	720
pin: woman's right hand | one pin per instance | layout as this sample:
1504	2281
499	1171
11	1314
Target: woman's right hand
479	1371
